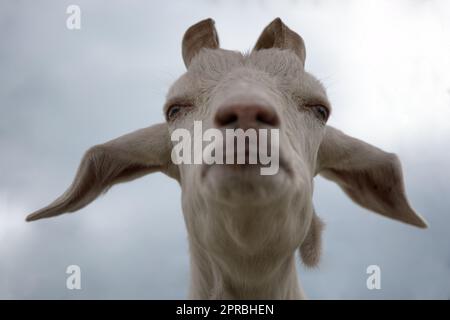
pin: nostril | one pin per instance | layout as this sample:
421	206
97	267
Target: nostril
226	118
267	116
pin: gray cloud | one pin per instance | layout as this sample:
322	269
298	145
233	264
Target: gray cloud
63	91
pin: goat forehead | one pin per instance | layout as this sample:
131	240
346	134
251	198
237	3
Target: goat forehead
281	68
217	63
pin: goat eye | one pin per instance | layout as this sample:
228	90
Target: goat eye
172	111
321	112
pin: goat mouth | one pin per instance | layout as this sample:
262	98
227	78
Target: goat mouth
249	169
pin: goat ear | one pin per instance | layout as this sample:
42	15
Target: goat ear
123	159
201	35
369	176
278	35
311	247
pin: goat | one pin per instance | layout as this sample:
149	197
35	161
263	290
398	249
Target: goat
244	228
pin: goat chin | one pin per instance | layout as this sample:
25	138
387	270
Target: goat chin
244	184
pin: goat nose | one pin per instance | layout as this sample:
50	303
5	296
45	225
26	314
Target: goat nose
246	116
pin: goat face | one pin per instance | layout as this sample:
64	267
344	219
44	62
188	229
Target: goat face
266	89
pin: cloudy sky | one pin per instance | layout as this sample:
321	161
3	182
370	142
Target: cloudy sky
385	64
